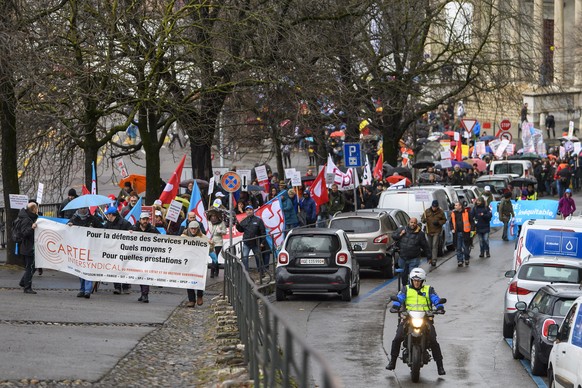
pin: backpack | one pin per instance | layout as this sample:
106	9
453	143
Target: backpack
17	236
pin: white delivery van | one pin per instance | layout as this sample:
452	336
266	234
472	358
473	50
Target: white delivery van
515	168
550	238
415	200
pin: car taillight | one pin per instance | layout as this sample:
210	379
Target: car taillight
526	173
283	258
341	258
383	239
514	289
546	325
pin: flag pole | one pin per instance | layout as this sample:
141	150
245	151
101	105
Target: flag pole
355	194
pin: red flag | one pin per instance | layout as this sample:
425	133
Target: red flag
84	191
318	189
173	184
378	169
459	152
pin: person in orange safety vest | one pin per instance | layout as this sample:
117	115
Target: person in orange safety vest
462	224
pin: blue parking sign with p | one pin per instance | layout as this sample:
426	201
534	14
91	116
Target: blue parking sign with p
352	155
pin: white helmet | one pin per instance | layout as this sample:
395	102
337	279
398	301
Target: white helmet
417	274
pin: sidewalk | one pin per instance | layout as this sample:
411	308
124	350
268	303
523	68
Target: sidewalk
56	339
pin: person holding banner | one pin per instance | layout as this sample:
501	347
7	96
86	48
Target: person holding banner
505	210
115	222
83	217
144	226
26	223
195	297
217	229
254	231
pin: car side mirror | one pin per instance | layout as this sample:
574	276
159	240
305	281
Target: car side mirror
521	306
510	274
552	332
451	207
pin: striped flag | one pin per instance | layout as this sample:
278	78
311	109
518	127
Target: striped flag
133	215
197	206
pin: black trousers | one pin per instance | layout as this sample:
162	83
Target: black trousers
28	271
399	337
192	294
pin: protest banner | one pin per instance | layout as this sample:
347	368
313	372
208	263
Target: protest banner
527	210
121	256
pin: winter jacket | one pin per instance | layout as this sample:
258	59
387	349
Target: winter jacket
482	216
216	232
289	210
26	219
434	220
118	224
149	229
336	202
566	206
505	210
253	229
412	243
87	221
307	205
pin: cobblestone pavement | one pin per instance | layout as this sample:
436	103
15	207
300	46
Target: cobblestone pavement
195	347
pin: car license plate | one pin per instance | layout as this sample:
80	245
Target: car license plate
312	261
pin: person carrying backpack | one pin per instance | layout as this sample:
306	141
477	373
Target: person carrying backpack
23	234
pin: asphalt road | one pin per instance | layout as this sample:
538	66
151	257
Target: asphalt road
355	337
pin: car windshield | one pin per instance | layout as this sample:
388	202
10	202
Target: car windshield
562	306
497	185
508	168
356	225
312	243
549	274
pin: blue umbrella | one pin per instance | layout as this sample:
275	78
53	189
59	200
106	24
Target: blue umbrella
461	164
487	138
88	200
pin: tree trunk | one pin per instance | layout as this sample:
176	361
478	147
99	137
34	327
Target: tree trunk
9	154
90	157
201	160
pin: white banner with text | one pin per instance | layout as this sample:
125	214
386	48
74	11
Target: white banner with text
120	256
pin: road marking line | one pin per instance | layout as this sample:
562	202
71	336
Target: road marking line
536	379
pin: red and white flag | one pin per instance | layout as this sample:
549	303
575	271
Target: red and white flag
171	189
344	180
318	189
378	169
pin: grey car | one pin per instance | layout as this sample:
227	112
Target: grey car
370	230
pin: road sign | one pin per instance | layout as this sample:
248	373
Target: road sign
505	125
468	124
230	182
352	155
506	135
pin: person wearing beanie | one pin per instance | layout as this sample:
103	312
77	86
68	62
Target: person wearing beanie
115	222
434	218
72	194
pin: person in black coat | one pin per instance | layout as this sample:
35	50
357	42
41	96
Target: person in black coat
254	231
482	216
27	224
413	245
115	222
144	226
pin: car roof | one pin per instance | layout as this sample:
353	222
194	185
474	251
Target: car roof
309	231
368	213
574	221
495	177
542	259
565	290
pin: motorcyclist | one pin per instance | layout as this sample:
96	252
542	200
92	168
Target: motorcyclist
417	296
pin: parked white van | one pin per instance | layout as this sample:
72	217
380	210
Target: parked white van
415	200
550	238
515	168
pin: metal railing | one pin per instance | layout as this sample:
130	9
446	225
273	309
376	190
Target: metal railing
49	210
276	355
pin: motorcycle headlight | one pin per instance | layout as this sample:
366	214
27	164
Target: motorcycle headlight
417	322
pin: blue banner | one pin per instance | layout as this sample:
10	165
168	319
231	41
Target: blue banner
554	243
527	210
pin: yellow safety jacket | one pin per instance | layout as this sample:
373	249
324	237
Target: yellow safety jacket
416	302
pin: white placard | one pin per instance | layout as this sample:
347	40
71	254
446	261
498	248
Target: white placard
262	173
296	179
211	186
219	172
289	173
446	163
39	193
577	147
122	256
445	155
510	150
121	167
245	179
501	149
562	152
570	129
174	211
456	136
18	201
422	196
329	178
480	148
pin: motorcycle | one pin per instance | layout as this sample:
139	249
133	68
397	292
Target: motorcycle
416	338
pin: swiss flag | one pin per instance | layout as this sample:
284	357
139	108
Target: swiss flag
173	184
378	169
318	189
